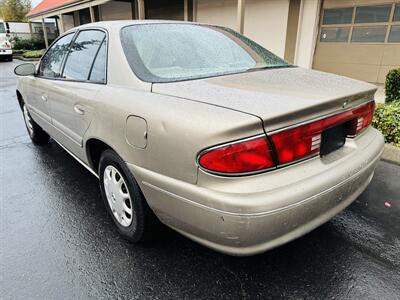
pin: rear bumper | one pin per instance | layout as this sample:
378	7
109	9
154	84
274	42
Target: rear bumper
6	52
246	216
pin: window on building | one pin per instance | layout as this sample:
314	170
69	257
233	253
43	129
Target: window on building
98	72
335	34
338	16
396	16
369	34
394	36
373	14
82	53
51	62
361	28
2	28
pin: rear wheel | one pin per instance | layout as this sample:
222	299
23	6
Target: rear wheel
36	133
123	199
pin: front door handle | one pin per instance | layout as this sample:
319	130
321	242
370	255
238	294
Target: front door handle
79	109
44	98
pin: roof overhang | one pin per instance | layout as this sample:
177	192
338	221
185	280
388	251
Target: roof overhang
69	6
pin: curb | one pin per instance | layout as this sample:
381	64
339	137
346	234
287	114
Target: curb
391	154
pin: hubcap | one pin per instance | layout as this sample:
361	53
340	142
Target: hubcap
28	120
118	196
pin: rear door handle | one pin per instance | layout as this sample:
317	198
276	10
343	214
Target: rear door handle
44	98
79	109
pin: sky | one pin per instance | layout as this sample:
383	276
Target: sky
35	2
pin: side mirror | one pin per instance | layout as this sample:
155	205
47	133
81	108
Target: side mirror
26	69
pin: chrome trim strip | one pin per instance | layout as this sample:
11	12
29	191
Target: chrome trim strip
79	161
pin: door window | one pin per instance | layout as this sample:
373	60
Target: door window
98	73
51	62
82	54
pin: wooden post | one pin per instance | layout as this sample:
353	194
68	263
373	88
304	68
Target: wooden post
30	29
46	41
92	17
240	15
185	10
194	18
61	21
141	11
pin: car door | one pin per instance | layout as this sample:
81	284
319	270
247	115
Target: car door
72	96
39	85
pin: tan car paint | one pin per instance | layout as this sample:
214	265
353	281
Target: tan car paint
236	215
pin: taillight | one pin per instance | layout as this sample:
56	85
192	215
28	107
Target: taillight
305	140
364	116
290	145
240	157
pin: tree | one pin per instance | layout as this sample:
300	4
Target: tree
14	10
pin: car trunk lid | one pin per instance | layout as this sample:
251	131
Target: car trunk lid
280	97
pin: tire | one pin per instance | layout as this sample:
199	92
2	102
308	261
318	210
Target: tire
10	58
143	221
36	133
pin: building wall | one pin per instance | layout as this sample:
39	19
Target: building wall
364	61
156	9
116	10
68	21
265	20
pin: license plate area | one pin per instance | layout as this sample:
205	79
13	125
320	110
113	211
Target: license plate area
332	139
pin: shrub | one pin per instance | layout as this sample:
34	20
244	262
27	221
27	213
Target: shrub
33	54
387	120
392	85
18	52
32	44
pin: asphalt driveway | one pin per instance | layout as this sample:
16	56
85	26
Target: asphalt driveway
57	242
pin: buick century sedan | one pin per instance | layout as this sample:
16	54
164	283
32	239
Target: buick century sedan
202	129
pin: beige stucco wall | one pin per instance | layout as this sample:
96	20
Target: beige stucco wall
115	10
68	21
265	20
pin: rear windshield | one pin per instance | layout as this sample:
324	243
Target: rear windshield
174	52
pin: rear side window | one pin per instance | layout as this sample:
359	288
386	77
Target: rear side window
98	72
82	54
50	66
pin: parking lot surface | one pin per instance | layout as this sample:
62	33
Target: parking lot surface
57	242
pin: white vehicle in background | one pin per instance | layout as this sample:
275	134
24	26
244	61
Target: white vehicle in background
5	43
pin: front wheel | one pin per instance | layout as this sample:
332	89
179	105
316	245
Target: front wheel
36	133
123	199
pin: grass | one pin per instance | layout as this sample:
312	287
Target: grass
33	54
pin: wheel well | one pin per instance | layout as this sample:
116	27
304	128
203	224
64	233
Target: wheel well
94	149
20	99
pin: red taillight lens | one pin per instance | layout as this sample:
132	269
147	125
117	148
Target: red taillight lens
242	157
364	116
297	143
289	144
303	141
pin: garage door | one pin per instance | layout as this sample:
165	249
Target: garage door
359	39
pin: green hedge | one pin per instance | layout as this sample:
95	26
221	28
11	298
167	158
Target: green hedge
392	85
33	54
387	120
32	44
